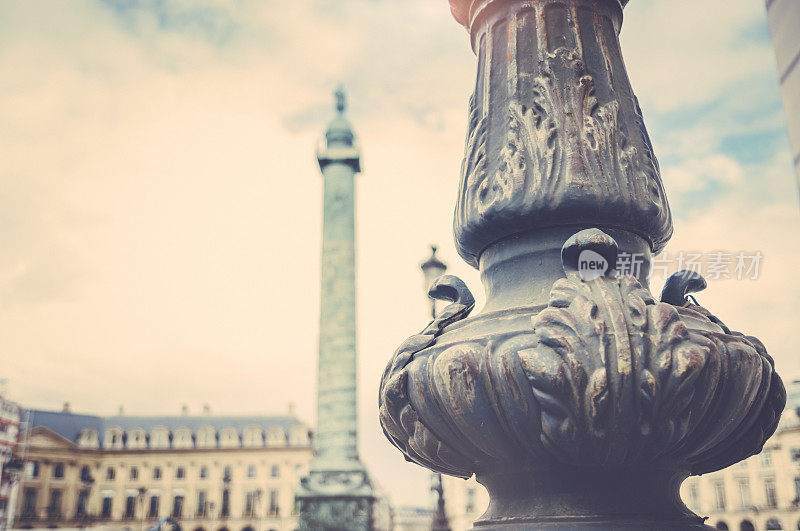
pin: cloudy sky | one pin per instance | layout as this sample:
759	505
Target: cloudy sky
160	204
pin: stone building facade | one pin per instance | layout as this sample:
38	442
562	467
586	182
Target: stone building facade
210	473
464	501
9	433
759	493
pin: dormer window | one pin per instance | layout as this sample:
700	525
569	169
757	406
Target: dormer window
276	437
299	436
159	437
137	439
229	438
206	437
183	438
114	438
88	438
253	437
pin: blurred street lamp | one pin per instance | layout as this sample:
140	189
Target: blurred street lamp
432	268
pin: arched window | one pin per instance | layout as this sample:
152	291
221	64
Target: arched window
182	438
773	524
207	437
253	437
276	436
746	525
229	438
159	437
722	525
114	438
137	438
88	438
248	528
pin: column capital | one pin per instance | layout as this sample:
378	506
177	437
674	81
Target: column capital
467	11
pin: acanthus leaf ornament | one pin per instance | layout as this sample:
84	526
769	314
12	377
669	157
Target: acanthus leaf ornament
603	376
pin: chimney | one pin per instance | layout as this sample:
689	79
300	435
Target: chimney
291	409
121	411
206	409
184	410
66	408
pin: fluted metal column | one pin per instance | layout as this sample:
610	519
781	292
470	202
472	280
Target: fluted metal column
576	397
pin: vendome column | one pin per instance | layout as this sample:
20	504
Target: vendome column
575	396
337	494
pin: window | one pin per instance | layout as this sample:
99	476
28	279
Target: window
54	507
159	437
274	509
227	473
225	510
470	505
134	473
250	504
251	472
275	472
744	493
694	496
722	525
201	503
203	472
105	511
152	512
80	504
58	470
110	474
177	506
719	495
130	507
766	457
770	492
29	503
773	523
157	473
206	437
32	469
180	473
795	452
86	474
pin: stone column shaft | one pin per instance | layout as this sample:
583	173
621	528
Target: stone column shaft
337	419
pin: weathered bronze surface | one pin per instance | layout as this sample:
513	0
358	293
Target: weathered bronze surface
578	402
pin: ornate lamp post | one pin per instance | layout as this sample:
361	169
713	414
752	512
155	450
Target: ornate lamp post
578	399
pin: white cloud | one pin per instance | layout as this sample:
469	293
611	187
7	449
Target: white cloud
694	174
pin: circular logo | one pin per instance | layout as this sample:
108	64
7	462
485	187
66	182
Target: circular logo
591	265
